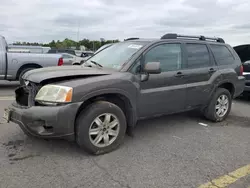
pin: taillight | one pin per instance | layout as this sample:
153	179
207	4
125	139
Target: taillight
60	61
241	70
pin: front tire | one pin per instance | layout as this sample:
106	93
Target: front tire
100	128
219	106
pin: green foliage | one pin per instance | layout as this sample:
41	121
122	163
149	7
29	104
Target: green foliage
68	43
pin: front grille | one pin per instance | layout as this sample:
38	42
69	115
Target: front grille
32	94
25	95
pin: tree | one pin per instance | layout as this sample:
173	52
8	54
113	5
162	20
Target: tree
67	43
52	44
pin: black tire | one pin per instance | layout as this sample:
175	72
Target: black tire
21	75
87	116
210	112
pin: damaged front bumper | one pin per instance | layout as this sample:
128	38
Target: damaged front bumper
45	121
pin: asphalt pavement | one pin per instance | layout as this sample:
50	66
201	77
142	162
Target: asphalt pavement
179	151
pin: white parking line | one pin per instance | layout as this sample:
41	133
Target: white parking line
7	98
203	124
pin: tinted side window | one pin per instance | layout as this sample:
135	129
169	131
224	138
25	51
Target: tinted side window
52	51
197	55
222	55
61	51
169	55
66	56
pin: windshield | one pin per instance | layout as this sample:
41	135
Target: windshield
116	55
103	47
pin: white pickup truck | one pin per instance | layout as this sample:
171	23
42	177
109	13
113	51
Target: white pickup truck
13	64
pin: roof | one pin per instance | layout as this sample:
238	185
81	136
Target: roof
178	37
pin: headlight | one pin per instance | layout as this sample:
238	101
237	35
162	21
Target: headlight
54	94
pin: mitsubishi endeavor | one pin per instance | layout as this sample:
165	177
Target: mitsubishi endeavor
95	103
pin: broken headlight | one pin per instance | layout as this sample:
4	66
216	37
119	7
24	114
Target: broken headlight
51	94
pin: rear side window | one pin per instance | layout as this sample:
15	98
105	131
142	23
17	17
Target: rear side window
66	56
222	54
197	55
52	51
62	51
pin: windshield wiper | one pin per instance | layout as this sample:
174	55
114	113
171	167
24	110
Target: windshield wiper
97	64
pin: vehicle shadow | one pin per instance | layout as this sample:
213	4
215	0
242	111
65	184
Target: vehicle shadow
243	98
30	147
23	147
149	129
167	121
145	129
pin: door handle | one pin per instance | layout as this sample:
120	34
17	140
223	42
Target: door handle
179	74
211	70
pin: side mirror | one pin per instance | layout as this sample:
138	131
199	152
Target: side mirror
152	68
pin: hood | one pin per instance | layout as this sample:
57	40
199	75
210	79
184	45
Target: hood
244	53
63	73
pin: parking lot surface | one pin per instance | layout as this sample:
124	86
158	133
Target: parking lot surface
182	150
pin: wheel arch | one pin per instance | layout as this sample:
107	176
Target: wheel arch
118	99
226	85
25	66
229	86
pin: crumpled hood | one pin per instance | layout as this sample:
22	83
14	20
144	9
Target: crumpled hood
67	72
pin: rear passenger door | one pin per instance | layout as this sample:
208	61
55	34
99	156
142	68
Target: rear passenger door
228	64
165	92
224	58
200	68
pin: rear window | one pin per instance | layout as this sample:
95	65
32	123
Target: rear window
52	51
222	55
198	55
66	56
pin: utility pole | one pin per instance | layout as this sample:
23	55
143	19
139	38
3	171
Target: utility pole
78	31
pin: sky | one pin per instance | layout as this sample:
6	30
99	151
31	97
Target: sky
45	20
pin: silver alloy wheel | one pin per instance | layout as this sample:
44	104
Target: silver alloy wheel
104	130
222	105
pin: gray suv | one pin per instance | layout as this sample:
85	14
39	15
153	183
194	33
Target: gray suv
94	104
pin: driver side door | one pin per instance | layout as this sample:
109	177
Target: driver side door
163	93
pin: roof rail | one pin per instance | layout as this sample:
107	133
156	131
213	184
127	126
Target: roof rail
132	38
175	36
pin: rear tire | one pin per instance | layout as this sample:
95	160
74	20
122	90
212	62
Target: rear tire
21	75
217	111
94	134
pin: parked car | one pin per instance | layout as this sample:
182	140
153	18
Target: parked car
131	80
244	53
31	49
61	50
14	64
86	54
103	47
100	49
70	59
